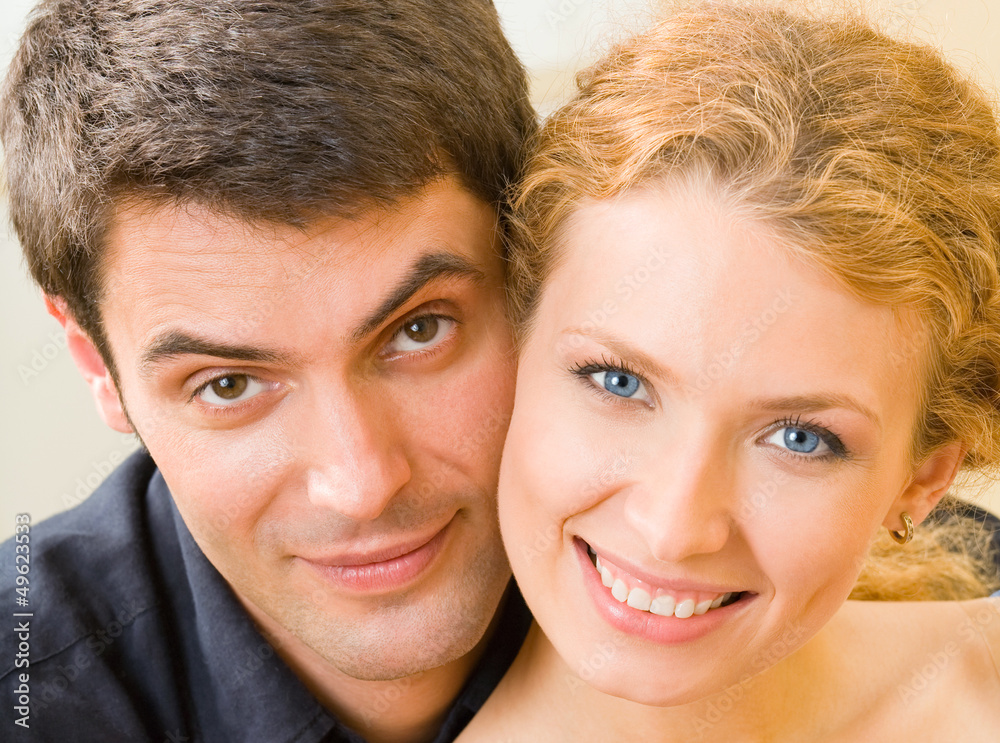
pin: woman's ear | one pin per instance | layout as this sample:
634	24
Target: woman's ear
91	365
930	483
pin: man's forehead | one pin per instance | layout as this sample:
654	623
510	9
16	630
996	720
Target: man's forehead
173	342
141	230
185	280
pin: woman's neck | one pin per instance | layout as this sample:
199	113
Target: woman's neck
777	704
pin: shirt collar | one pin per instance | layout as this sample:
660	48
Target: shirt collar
242	684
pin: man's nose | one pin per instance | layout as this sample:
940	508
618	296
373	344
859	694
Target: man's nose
358	462
680	501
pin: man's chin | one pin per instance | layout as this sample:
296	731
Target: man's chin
397	644
411	634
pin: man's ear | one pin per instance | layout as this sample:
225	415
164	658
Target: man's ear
930	483
95	372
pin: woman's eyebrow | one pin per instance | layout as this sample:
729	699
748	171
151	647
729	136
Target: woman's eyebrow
627	352
797	403
816	403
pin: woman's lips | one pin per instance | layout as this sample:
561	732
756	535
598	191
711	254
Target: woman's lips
665	614
661	600
384	569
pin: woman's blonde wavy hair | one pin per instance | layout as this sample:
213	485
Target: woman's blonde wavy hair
873	156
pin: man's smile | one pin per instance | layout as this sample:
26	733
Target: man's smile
382	569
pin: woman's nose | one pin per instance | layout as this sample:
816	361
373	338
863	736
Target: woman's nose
681	502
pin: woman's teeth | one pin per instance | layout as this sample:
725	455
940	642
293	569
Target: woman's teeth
628	590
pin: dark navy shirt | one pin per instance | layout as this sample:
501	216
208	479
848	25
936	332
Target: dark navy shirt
134	636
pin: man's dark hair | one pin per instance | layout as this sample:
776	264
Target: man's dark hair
275	111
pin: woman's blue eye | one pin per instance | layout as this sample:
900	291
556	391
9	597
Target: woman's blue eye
621	384
800	441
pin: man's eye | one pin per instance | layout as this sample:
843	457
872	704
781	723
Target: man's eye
230	389
419	334
621	383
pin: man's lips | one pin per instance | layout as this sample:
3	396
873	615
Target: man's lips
382	568
360	557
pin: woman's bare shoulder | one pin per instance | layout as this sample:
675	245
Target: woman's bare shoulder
927	639
928	670
982	627
968	662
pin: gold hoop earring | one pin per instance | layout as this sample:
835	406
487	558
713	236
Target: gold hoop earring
903	537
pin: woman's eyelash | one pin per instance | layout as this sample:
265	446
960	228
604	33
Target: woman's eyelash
586	369
605	364
828	437
585	373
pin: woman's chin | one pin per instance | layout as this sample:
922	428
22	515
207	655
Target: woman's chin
657	685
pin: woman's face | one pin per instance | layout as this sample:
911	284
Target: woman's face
718	424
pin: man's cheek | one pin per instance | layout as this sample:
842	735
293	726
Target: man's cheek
492	390
219	504
473	413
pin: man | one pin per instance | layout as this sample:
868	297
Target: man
270	231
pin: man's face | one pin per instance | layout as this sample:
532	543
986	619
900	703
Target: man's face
328	408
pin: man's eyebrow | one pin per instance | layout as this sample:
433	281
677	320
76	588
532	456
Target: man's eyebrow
430	266
177	343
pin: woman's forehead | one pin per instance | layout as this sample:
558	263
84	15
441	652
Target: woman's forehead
690	282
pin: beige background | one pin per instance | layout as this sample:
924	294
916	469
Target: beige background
54	448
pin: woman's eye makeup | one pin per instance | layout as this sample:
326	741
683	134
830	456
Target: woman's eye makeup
228	390
614	378
805	439
420	333
798	438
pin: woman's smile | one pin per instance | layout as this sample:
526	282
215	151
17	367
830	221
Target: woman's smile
661	597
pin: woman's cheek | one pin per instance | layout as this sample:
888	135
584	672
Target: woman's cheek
551	471
525	488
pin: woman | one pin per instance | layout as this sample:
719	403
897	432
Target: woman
756	281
